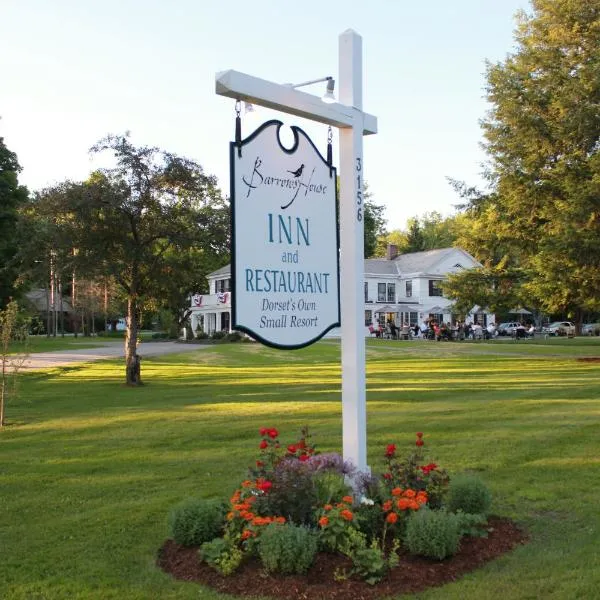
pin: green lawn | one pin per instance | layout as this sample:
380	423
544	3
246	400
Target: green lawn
89	468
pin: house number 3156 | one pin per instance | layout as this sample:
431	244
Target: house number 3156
359	198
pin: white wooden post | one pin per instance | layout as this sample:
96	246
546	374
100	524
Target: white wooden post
354	417
353	123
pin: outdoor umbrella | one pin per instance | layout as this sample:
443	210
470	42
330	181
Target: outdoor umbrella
520	311
387	309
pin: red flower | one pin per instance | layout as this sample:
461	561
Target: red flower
264	486
292	449
428	468
387	475
419	442
263	444
392	518
273	433
304	457
263	431
260	463
419	435
390	450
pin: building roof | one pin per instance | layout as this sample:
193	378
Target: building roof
426	261
381	266
414	262
39	300
226	270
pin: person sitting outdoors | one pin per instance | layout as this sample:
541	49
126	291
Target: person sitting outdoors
491	331
531	331
393	329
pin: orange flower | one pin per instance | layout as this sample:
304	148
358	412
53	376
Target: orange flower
246	484
248	516
409	494
347	515
327	507
340	505
397	491
230	516
421	498
403	503
387	505
279	519
392	518
414	505
246	534
348	499
323	521
242	506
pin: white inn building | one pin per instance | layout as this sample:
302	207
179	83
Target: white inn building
402	288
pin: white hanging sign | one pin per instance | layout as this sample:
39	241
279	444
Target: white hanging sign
285	267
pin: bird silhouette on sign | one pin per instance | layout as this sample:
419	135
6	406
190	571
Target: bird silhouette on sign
298	171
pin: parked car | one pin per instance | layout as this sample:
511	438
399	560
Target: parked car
560	328
590	329
507	328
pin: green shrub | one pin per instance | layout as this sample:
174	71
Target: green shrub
286	548
201	335
370	520
469	494
160	335
473	525
218	335
221	555
432	533
196	520
330	485
370	562
234	336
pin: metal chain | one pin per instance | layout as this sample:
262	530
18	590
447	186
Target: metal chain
238	108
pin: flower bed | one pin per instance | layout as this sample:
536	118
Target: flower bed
296	518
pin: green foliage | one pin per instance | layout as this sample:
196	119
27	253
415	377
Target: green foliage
370	521
371	564
234	336
472	525
285	548
201	335
12	197
469	494
542	133
219	335
222	555
374	223
432	533
329	485
196	520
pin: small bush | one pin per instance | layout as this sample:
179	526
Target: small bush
330	485
218	335
473	525
287	548
201	335
160	335
469	494
221	555
432	533
196	520
234	336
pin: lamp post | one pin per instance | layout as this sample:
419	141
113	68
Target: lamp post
347	115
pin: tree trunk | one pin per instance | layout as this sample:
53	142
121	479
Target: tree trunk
132	360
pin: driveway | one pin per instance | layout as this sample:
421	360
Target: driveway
59	358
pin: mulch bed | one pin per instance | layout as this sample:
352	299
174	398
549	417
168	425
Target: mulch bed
413	574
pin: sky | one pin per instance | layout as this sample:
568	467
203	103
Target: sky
72	71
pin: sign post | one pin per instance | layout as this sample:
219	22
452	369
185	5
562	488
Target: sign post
353	123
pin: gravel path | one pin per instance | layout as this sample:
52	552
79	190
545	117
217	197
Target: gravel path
59	358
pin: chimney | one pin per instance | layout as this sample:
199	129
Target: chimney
392	251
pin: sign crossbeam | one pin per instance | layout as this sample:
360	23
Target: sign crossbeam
284	98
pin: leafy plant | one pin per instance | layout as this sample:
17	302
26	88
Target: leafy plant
371	564
411	472
196	520
222	555
432	533
472	525
469	494
286	548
